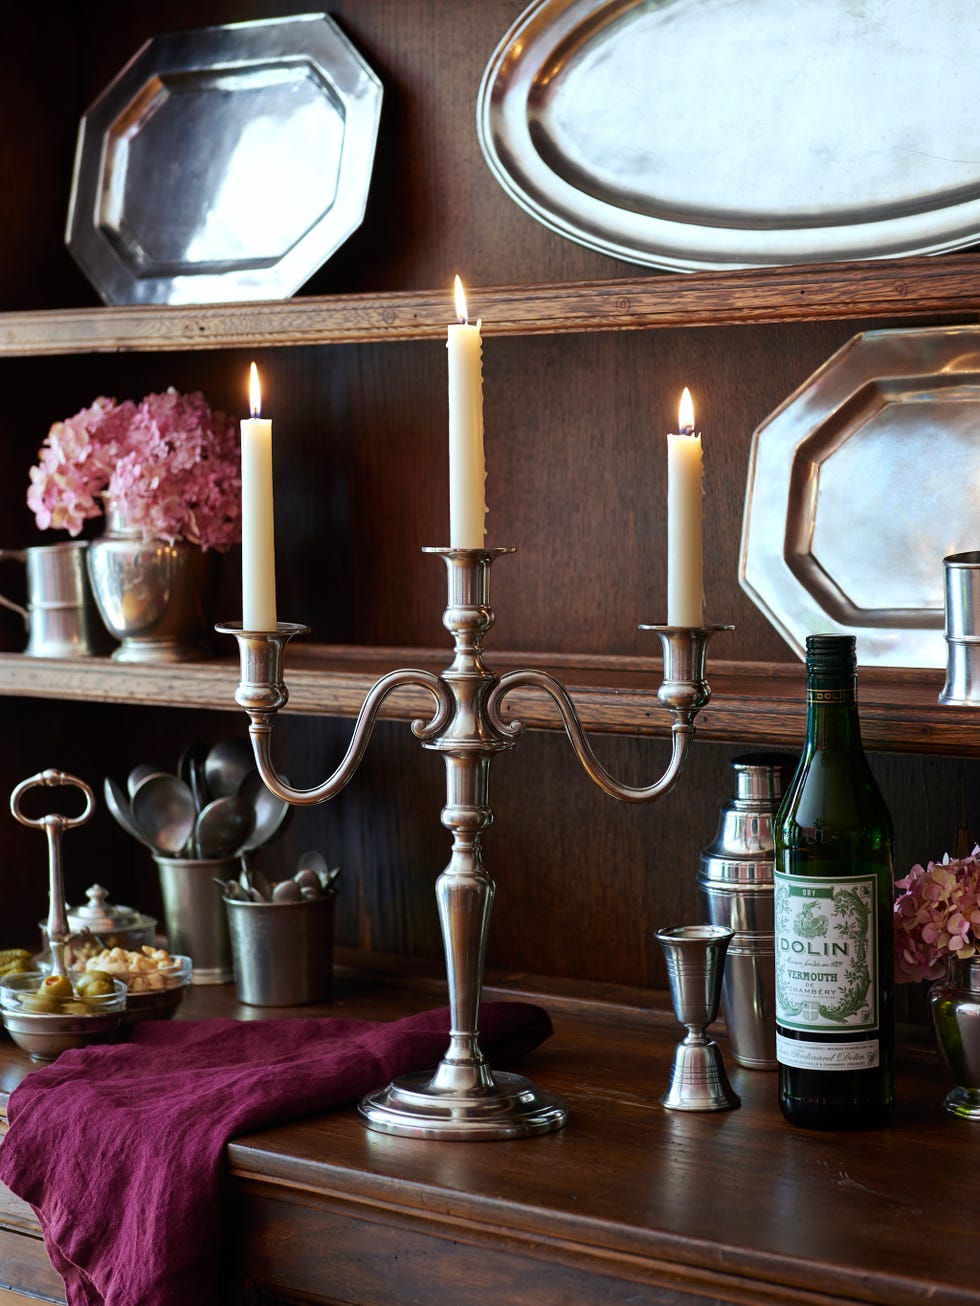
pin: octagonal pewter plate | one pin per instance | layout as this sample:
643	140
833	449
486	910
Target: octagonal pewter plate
224	164
859	485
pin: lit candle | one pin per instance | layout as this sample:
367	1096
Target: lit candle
258	528
467	470
685	581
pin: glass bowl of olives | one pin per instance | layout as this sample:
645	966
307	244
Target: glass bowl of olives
155	981
46	1014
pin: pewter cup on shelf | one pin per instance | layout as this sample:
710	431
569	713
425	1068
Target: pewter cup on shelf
961	591
695	964
735	880
60	616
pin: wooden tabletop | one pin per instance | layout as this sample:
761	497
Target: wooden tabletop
733	1206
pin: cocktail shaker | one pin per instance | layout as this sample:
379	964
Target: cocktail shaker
736	883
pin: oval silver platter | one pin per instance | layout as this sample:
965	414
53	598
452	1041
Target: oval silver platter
859	485
224	163
698	134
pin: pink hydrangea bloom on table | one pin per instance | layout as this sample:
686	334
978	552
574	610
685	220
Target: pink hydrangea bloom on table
168	466
937	916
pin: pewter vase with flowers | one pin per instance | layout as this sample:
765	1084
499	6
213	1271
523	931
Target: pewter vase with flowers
954	1004
155	597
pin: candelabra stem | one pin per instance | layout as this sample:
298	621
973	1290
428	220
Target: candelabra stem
463	1098
464	896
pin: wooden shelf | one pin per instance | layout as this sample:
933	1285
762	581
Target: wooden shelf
913	287
752	703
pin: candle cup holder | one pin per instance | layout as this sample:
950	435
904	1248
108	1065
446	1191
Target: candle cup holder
463	1098
695	963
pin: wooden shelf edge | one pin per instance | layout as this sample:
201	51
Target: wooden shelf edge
909	287
755	704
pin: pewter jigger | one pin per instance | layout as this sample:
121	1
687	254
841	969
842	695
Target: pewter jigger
695	965
463	1098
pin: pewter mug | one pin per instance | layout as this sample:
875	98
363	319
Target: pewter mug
60	616
961	597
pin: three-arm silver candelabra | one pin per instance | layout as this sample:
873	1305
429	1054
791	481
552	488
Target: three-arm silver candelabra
463	1098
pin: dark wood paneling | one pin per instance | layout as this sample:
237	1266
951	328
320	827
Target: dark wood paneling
575	446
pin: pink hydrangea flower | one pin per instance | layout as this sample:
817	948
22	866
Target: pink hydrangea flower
169	466
937	916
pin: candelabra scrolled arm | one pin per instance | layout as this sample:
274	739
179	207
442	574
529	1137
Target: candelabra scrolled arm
682	732
260	731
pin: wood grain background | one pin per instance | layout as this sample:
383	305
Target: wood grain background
576	481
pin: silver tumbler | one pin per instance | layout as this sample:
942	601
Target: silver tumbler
735	880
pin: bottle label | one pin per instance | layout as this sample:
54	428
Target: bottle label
826	953
826	1056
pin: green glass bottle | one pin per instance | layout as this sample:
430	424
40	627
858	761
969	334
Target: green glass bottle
833	914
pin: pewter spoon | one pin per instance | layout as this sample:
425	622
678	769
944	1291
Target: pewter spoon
164	807
116	802
255	882
221	827
190	768
226	766
269	809
138	775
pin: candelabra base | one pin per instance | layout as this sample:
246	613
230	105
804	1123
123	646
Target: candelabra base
510	1106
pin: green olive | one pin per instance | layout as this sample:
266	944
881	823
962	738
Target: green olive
94	984
38	1005
75	1008
55	986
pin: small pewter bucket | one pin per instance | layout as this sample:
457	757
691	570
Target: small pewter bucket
61	617
736	883
282	951
961	591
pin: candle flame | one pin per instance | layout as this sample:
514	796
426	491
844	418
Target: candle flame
461	312
685	412
254	391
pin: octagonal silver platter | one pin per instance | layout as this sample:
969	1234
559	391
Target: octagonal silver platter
859	485
224	163
697	134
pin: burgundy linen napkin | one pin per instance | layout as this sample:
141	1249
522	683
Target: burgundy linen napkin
120	1148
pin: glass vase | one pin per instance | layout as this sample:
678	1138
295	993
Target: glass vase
155	598
954	1003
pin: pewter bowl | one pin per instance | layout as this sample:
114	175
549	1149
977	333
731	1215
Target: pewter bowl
45	1035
